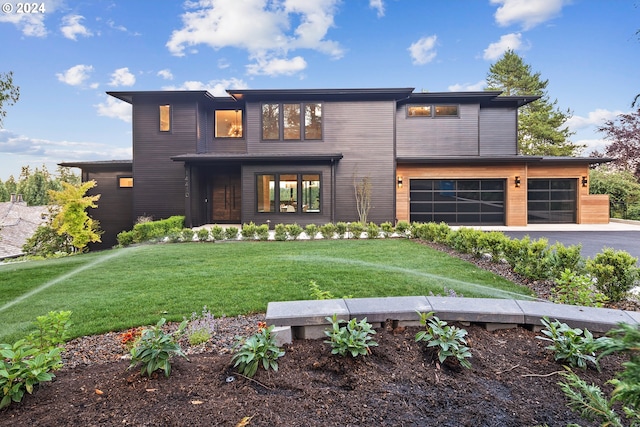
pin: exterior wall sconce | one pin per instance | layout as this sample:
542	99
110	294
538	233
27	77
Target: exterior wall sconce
517	181
399	181
584	181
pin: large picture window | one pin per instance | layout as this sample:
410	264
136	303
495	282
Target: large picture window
292	121
288	193
228	123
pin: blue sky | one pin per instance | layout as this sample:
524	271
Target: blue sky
65	58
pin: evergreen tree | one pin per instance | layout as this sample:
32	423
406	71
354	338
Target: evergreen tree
540	123
4	194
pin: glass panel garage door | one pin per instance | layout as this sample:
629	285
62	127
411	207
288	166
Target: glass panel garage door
457	201
551	200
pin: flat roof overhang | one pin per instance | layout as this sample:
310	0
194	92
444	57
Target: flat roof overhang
500	160
100	165
257	158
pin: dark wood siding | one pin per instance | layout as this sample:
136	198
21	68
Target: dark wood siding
438	136
114	206
159	189
498	131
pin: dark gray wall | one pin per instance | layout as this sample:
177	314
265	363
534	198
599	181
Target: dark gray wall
498	131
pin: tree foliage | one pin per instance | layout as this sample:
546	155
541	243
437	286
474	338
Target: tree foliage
541	125
621	186
34	185
624	136
71	215
9	93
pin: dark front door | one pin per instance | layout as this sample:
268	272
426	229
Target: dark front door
226	198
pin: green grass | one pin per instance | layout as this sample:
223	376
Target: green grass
121	288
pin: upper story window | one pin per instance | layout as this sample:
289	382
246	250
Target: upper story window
427	110
125	182
165	118
292	121
228	124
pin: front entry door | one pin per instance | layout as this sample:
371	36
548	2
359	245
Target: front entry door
226	198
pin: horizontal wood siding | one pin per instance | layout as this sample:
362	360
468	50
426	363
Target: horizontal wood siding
249	208
498	131
594	209
115	206
159	182
441	136
221	145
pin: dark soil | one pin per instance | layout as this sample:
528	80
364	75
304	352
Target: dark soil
513	382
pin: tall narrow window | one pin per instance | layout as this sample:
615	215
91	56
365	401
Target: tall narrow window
266	193
291	121
311	193
270	121
165	118
313	121
288	193
228	124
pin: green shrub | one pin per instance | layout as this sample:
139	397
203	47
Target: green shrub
449	340
154	230
155	348
311	230
403	228
262	232
257	349
203	234
356	228
328	230
341	229
466	240
187	235
294	231
281	232
249	231
434	232
354	338
52	330
576	289
373	231
562	258
217	233
317	293
615	273
125	238
387	229
528	258
573	345
493	242
231	233
47	243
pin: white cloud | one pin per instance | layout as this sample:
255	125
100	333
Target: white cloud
592	145
378	5
495	50
31	24
263	28
277	66
114	108
76	75
215	87
594	118
468	87
165	74
71	27
529	13
423	51
122	77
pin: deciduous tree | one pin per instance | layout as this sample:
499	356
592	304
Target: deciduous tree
624	136
9	93
541	125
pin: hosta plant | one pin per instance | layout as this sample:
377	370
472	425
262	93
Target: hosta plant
573	345
449	340
354	338
155	348
258	349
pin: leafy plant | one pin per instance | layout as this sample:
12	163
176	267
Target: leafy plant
129	337
231	233
187	235
615	273
354	338
328	230
22	366
203	234
492	242
565	257
311	231
201	327
341	229
155	348
249	231
294	231
262	232
573	345
466	240
51	331
259	348
217	233
449	340
575	289
372	230
387	229
356	228
317	293
402	228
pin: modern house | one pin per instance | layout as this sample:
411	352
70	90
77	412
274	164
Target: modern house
285	156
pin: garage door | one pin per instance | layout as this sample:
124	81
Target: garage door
551	200
457	201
